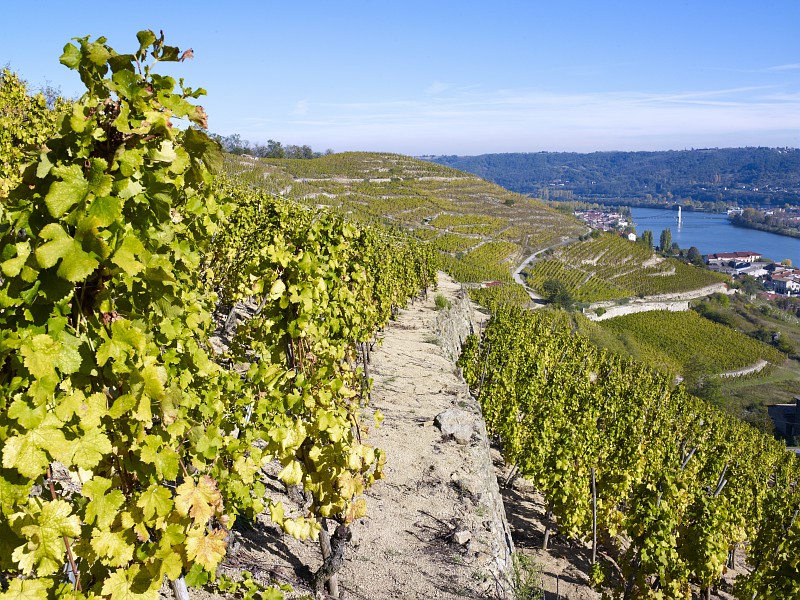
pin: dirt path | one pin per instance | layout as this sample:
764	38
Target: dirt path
517	275
406	547
432	526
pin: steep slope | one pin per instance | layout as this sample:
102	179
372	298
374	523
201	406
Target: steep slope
481	229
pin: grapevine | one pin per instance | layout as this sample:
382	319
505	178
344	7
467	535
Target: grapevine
678	483
128	450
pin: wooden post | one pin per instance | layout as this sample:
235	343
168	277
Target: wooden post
364	355
179	589
594	518
548	527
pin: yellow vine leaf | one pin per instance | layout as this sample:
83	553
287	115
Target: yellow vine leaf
27	589
207	550
199	501
112	546
128	584
44	524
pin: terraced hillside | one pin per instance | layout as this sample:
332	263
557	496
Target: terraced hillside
674	341
481	230
609	267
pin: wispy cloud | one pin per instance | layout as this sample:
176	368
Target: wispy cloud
789	67
472	121
300	108
437	87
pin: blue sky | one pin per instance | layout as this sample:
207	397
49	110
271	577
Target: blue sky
459	77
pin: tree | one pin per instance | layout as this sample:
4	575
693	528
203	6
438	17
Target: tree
275	150
750	285
647	238
666	240
695	257
557	293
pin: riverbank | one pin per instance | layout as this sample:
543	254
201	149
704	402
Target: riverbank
745	224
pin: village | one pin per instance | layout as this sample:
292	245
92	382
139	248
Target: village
779	278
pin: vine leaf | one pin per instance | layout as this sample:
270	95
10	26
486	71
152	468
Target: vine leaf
65	194
155	500
129	584
44	524
26	589
75	263
208	549
104	505
200	501
28	453
112	546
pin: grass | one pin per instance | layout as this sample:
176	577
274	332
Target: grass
441	302
526	578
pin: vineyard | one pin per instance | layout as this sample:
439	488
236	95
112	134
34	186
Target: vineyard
175	323
509	293
609	267
675	340
665	487
452	243
454	211
129	445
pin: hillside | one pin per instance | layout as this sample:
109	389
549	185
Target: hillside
481	229
745	176
608	267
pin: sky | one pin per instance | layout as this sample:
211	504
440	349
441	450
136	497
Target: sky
457	77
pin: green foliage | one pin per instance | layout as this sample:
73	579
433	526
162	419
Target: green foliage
695	257
441	302
610	267
26	122
678	341
665	242
454	243
781	222
526	578
494	296
106	307
558	294
113	250
677	479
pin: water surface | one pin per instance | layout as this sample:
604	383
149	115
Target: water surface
712	232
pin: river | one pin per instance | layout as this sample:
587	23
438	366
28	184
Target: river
712	232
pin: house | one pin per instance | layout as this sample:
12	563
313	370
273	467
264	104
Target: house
786	418
787	283
726	257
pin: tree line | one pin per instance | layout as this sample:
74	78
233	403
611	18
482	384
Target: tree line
234	144
707	178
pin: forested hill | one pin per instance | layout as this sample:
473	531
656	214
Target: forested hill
747	176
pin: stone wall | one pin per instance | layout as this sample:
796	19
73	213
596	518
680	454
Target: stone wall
465	425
